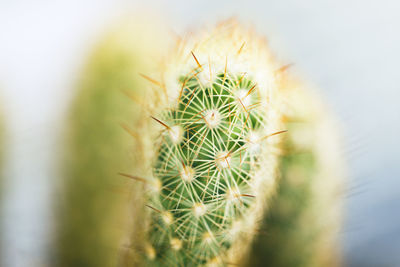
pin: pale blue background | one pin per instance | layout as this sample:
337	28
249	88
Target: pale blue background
350	49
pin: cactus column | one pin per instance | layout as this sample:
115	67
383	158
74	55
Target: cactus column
210	135
91	212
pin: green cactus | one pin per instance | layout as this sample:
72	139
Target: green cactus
91	213
210	150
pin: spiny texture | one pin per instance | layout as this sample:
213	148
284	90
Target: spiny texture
303	221
90	219
210	151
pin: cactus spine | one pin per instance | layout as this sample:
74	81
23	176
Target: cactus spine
210	152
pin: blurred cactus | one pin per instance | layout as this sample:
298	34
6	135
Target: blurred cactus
91	212
302	225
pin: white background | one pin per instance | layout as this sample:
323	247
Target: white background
349	49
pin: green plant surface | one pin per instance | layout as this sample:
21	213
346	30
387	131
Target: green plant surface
205	166
210	147
92	210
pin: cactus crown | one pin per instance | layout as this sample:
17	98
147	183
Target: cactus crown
211	165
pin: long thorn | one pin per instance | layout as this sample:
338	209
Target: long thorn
133	177
198	64
151	80
160	122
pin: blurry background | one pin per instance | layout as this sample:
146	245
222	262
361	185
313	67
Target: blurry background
348	49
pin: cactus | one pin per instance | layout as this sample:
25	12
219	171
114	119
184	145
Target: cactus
91	213
209	135
304	218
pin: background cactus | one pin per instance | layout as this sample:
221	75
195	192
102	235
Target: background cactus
91	213
302	225
210	151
